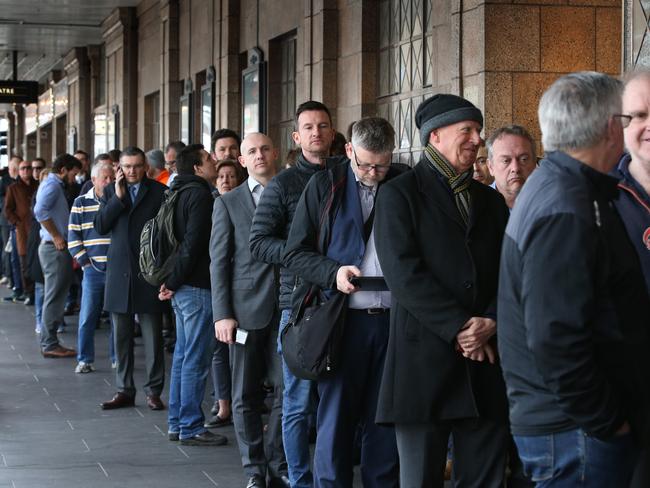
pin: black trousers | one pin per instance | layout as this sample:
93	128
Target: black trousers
479	453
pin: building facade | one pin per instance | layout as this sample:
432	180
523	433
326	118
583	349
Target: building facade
180	69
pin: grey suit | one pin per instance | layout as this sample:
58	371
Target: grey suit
247	290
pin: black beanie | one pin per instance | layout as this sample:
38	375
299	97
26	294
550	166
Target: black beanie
441	110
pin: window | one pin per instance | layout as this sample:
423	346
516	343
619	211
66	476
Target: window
282	91
152	121
405	73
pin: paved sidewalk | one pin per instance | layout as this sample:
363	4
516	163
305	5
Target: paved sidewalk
54	434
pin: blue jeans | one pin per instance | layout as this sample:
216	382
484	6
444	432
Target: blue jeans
297	407
38	304
92	296
574	459
192	358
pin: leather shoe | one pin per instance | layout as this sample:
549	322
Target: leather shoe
155	403
256	482
120	400
281	482
217	421
206	438
60	352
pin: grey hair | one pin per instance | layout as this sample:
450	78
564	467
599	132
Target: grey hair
509	130
97	167
575	110
373	134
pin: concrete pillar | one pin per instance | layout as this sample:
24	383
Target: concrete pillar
121	40
172	87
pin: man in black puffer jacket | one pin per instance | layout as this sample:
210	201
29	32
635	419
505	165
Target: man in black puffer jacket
271	223
188	286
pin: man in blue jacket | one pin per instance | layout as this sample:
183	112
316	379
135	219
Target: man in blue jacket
573	307
633	202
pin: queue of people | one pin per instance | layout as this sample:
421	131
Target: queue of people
495	306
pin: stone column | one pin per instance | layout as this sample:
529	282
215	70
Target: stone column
121	40
228	68
77	68
172	87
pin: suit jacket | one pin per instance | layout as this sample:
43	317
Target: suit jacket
126	291
440	273
242	288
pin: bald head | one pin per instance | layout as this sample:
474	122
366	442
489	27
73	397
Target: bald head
258	156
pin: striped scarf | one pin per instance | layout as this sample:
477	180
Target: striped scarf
459	183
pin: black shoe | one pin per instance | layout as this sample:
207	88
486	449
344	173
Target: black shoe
172	436
29	301
10	299
281	482
215	408
256	482
206	438
217	421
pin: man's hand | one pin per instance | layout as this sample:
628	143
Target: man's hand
475	333
120	184
480	354
343	276
164	293
224	330
59	242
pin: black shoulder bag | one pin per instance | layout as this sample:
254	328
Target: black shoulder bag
312	340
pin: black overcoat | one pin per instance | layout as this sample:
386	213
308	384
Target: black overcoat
125	291
440	273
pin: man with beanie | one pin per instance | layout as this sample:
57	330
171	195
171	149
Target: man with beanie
157	170
438	240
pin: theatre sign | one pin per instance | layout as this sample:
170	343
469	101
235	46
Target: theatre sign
18	91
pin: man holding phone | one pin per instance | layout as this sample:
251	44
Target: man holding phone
124	208
331	244
245	309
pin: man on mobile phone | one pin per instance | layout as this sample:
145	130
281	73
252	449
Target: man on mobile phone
125	207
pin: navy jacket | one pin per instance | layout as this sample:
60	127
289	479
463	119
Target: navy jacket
633	203
573	307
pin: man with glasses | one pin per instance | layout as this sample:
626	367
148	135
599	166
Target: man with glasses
573	306
18	210
633	202
126	205
38	165
330	243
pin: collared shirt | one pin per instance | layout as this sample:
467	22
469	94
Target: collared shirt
52	204
256	189
369	264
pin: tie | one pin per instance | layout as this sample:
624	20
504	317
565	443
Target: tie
132	192
367	200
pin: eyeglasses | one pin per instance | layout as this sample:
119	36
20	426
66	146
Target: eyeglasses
379	168
625	119
132	166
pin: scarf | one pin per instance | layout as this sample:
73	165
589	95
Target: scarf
459	183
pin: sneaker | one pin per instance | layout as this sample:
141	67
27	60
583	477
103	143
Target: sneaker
113	364
84	368
172	436
10	299
4	280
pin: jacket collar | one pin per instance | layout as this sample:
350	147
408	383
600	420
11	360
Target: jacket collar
605	184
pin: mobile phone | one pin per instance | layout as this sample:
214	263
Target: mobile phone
369	283
240	336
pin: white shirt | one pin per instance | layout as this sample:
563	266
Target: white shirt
369	264
256	189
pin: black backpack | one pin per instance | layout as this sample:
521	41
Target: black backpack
158	244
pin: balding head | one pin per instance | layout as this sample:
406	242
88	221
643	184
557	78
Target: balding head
258	156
